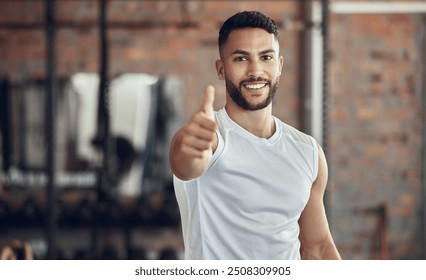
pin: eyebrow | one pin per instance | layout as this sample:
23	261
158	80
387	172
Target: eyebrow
241	52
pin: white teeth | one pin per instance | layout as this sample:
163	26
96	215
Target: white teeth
255	86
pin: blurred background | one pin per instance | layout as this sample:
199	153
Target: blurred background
92	91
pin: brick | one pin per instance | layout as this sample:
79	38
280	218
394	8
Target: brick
366	113
397	138
399	113
339	114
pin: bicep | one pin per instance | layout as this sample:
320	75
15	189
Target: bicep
313	221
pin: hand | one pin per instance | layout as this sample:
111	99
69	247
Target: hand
7	253
199	134
16	250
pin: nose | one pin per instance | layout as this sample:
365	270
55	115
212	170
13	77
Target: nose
255	69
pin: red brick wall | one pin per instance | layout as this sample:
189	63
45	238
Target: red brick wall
375	141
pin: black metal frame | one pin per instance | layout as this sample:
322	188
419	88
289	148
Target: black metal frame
51	223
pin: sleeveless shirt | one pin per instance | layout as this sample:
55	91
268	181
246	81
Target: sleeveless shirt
248	202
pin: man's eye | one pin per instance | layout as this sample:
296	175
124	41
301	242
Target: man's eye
267	57
240	58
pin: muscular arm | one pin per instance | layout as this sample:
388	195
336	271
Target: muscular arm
194	144
315	237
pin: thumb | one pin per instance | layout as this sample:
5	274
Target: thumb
207	105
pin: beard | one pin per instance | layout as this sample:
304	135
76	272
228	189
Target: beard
241	101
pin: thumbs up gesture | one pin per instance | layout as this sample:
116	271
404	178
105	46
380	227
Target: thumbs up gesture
193	145
207	105
200	130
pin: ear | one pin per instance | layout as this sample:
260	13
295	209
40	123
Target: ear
220	69
281	64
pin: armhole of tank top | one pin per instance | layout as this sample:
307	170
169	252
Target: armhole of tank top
315	159
182	200
220	142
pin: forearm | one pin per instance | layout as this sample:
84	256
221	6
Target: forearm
331	253
325	250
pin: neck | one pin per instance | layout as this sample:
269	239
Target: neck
259	123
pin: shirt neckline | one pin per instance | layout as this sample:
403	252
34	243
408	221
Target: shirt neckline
248	135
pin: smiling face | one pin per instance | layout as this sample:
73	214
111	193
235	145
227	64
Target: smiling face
251	66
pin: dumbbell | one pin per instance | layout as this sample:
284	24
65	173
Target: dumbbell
168	254
110	212
136	254
30	213
62	212
83	214
109	252
169	214
83	254
142	212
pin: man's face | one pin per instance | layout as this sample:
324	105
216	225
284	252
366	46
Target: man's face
251	67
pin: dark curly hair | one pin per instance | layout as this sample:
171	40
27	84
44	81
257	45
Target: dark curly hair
253	19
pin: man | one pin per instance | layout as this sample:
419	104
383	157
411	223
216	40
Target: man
248	185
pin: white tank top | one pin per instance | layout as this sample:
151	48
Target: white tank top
248	202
